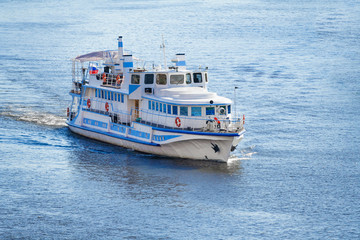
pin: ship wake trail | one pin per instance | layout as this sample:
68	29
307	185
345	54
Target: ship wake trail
26	114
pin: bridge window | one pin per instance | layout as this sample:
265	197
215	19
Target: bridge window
149	105
195	111
184	111
197	78
149	78
161	79
161	107
210	111
135	79
176	79
157	106
164	108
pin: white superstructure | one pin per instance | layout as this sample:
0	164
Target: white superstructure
159	111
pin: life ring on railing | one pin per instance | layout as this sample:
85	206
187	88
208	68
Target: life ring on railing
107	106
216	120
178	122
88	103
118	80
243	118
104	78
67	112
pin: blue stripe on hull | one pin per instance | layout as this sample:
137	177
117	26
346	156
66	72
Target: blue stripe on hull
114	135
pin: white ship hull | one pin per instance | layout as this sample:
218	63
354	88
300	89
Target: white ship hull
197	147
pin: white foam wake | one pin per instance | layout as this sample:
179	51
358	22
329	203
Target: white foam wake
33	116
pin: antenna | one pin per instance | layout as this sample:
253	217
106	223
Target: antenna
235	101
163	48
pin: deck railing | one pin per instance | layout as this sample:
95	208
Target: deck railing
147	117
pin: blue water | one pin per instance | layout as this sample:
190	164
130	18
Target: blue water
297	173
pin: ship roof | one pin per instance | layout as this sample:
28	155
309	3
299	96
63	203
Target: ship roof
96	56
190	96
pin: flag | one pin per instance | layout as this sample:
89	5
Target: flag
93	70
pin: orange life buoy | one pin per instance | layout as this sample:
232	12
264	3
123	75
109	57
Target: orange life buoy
104	77
118	80
243	118
217	120
178	122
88	103
107	106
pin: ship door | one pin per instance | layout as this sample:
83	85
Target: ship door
136	108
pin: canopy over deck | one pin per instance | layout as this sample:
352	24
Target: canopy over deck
97	56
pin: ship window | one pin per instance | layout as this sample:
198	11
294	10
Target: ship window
153	105
177	79
157	106
112	96
183	111
122	98
160	107
108	95
164	108
175	110
197	78
105	96
229	109
161	79
206	78
135	79
149	78
96	92
210	111
118	97
169	109
195	111
188	78
149	105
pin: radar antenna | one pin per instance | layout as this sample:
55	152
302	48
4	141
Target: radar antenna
163	48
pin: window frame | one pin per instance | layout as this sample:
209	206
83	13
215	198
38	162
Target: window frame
160	81
135	81
146	79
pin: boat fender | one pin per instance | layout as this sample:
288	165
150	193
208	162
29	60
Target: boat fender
243	118
104	78
67	112
107	106
88	103
178	122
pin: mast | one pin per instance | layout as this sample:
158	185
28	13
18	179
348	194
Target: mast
163	48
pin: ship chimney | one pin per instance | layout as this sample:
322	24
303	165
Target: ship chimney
179	61
120	58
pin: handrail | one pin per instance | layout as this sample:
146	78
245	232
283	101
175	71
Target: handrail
195	124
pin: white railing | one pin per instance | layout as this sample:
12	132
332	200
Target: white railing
148	117
199	124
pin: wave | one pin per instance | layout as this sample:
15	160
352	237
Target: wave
29	115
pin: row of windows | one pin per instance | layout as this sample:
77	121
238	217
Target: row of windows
161	79
183	110
109	95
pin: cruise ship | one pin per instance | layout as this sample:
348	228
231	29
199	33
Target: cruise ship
158	110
